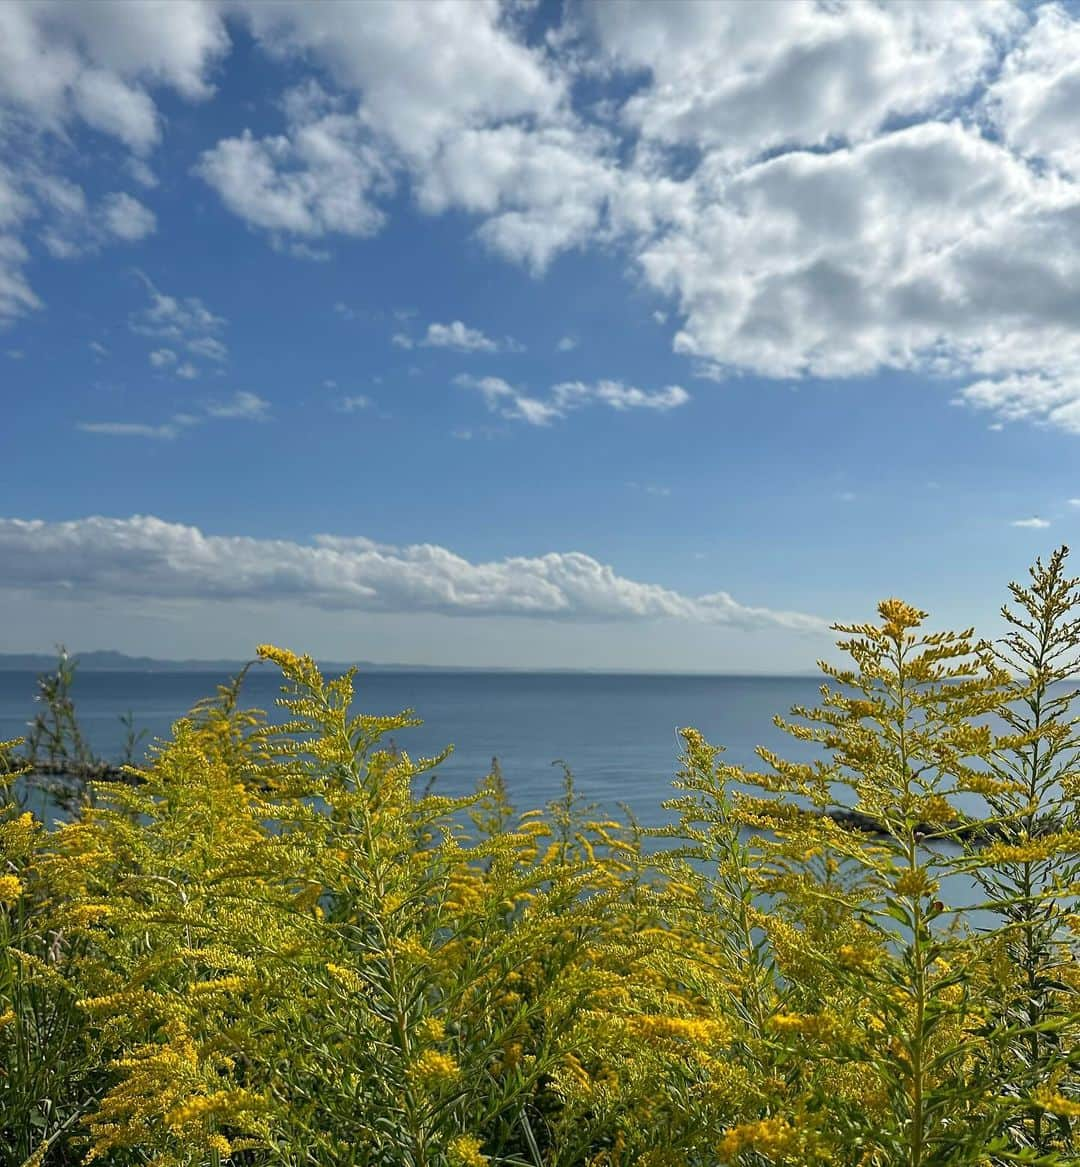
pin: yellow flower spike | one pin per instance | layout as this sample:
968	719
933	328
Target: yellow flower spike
11	888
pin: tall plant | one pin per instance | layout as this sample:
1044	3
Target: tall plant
903	742
1031	870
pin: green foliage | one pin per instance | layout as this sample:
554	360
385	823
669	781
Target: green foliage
278	944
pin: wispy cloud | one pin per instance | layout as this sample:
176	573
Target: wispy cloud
240	407
187	325
459	337
150	558
1034	523
503	398
246	406
353	403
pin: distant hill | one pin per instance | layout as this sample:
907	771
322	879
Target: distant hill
110	661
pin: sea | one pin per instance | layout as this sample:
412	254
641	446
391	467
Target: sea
617	733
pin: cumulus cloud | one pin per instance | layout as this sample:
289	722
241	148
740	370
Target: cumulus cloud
64	63
820	191
70	67
146	557
318	178
816	190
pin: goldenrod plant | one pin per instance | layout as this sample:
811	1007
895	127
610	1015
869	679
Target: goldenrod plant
1031	868
277	943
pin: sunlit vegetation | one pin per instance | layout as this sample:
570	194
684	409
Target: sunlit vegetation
278	944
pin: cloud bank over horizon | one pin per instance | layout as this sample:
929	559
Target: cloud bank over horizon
152	560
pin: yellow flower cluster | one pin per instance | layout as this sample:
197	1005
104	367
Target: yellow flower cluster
221	1105
434	1068
1055	1103
775	1138
345	977
11	888
819	1026
464	1151
697	1030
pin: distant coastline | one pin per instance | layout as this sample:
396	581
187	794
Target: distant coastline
110	661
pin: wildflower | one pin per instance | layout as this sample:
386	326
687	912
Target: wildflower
7	1018
433	1028
433	1068
464	1151
697	1030
1055	1103
221	985
10	889
345	977
771	1137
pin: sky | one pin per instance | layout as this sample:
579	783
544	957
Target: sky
655	335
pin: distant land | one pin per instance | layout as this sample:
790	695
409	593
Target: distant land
110	661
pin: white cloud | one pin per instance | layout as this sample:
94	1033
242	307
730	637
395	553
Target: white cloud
1034	523
98	349
209	347
1034	102
459	337
818	190
318	178
1074	502
354	403
616	395
66	67
241	406
61	63
127	218
566	344
16	295
821	191
424	69
151	559
743	79
1048	398
187	324
502	398
141	173
130	429
248	406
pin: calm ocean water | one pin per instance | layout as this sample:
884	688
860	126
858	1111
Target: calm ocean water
616	732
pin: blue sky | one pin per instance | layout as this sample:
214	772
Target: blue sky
654	335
